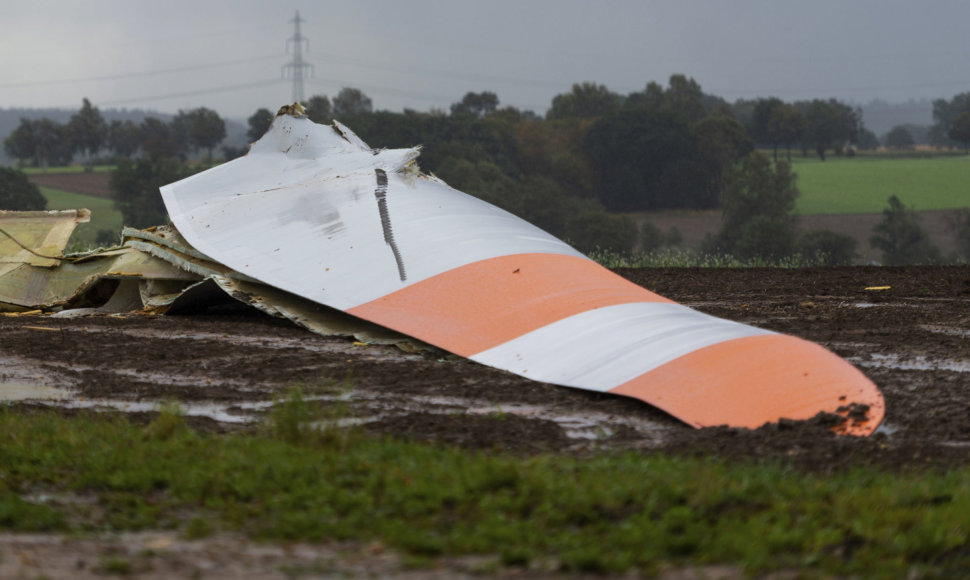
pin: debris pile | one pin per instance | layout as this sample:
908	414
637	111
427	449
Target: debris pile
316	226
152	271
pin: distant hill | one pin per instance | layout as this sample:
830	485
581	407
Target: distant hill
10	119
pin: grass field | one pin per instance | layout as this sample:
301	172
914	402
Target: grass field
103	215
612	513
863	184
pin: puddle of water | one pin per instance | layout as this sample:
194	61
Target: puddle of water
916	363
886	429
582	426
200	381
309	344
370	406
29	392
867	304
234	412
961	332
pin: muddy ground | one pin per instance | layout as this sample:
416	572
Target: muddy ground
224	369
695	225
94	183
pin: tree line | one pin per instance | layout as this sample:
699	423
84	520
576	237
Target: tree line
594	154
46	143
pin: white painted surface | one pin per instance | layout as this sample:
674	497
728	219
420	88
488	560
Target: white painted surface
300	212
603	348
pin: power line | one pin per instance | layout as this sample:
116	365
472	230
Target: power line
448	74
842	89
195	93
123	76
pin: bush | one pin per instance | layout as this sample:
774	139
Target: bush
18	193
759	196
596	229
900	237
135	189
764	237
900	138
828	248
652	237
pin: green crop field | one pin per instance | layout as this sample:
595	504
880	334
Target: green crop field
863	184
103	215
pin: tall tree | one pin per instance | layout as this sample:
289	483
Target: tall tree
476	104
823	126
124	137
960	130
648	158
21	144
901	238
318	109
259	123
899	138
722	142
135	188
685	95
52	142
180	132
946	112
758	199
157	139
207	130
585	101
786	126
868	140
351	102
18	193
760	125
87	131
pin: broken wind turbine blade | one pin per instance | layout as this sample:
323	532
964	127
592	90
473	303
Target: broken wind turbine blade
314	211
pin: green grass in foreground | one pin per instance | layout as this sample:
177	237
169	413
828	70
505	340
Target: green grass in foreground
104	216
609	513
863	184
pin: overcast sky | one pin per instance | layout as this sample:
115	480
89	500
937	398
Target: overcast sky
423	54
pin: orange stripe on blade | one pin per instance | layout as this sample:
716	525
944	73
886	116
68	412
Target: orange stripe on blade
480	305
747	382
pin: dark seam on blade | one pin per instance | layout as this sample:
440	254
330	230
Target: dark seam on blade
381	194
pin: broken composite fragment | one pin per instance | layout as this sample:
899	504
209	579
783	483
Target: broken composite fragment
153	271
315	212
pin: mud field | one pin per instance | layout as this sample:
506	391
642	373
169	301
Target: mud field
93	183
225	368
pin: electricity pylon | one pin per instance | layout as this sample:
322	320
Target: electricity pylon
297	69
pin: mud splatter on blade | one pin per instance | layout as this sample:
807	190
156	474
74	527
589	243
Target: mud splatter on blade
314	211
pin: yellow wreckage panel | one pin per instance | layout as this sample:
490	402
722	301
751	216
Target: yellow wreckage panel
36	237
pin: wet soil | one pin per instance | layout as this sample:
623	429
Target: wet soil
695	225
89	183
911	339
